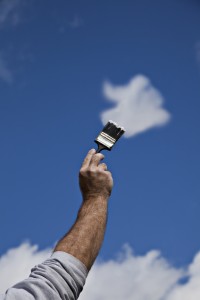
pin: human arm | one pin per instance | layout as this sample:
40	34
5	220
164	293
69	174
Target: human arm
84	239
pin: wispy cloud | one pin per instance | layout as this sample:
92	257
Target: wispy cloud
76	22
130	276
138	106
5	72
9	12
143	277
10	15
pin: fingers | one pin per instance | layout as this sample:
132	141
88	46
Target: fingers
103	167
88	158
95	160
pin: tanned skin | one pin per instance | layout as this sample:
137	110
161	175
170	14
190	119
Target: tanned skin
85	237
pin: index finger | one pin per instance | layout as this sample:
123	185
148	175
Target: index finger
88	158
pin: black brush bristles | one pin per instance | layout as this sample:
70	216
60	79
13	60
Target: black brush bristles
109	136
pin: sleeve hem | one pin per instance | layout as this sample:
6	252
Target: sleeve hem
65	257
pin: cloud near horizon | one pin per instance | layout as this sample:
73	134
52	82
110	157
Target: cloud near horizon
129	276
138	106
16	264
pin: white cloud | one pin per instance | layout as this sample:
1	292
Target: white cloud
9	11
190	290
138	106
16	264
132	277
5	72
129	276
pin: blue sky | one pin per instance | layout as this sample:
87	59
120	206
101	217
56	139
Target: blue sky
54	61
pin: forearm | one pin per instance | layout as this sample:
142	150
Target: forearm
84	239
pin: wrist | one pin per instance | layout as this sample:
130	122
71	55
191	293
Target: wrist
94	207
96	197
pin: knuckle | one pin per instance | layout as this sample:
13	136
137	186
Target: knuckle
109	174
82	171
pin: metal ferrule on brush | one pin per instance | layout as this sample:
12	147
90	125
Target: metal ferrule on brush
106	140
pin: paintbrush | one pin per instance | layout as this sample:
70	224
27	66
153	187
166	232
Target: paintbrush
109	136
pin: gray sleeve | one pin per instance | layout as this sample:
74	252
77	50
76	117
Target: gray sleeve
60	277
